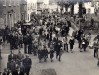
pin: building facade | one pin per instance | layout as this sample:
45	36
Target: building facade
23	10
42	5
90	6
53	7
11	12
31	8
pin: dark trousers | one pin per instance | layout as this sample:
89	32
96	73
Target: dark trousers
30	49
58	55
66	47
79	45
14	73
95	53
25	48
21	73
84	47
27	70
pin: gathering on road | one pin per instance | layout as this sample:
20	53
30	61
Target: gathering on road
46	36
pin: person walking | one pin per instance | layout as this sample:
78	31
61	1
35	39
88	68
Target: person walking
65	40
84	44
29	44
96	49
25	41
27	63
11	65
59	45
45	53
51	53
60	53
11	56
71	42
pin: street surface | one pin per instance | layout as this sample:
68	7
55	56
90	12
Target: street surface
76	63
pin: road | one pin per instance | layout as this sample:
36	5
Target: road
76	63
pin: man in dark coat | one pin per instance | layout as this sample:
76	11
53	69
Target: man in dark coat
25	41
45	53
27	62
11	40
58	48
30	44
11	65
11	56
84	44
51	53
96	49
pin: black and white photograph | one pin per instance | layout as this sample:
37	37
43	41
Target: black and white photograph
49	37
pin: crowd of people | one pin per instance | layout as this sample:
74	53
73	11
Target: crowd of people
48	37
18	64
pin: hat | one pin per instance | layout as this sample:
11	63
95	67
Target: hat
27	55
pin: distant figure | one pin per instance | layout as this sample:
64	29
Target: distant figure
71	42
45	53
11	65
51	53
11	56
96	49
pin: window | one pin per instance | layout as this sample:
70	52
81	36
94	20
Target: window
28	8
34	6
31	6
92	4
14	17
14	2
28	16
10	3
4	2
18	2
